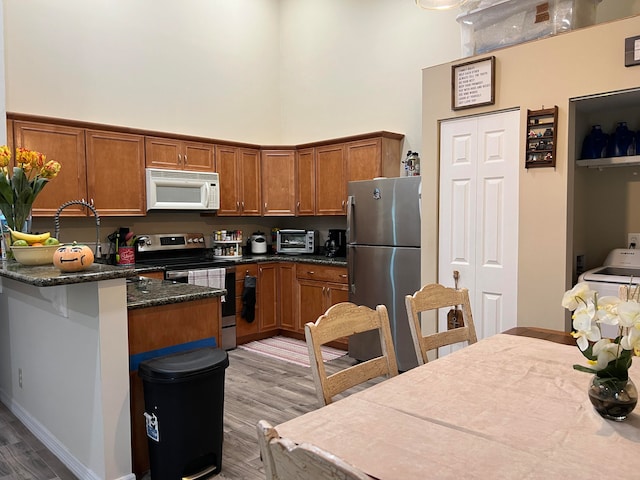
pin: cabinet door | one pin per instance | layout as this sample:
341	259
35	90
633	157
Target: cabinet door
278	182
163	153
115	173
198	157
268	296
306	182
245	329
249	177
364	159
227	166
337	293
331	185
67	146
287	297
311	300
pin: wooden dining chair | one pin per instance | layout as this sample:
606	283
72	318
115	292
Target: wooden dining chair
284	459
343	320
432	297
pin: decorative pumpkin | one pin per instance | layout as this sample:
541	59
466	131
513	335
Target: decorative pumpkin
73	258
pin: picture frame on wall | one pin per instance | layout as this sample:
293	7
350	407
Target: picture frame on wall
473	83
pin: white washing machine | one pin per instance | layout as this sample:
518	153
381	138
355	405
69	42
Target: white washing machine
621	267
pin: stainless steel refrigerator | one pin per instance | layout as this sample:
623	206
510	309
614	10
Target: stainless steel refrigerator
383	256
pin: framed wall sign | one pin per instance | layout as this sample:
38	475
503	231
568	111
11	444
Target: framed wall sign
632	51
473	83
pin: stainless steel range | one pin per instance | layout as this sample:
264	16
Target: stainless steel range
186	259
621	267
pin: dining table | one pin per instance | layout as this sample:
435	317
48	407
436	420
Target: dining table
510	406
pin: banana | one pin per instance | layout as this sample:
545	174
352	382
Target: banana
30	238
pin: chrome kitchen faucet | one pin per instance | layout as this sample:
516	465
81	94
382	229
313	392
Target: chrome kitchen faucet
56	221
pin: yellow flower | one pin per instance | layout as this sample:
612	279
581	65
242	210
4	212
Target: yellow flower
50	169
5	156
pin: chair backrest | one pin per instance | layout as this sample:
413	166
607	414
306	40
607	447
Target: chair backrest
343	320
431	297
287	460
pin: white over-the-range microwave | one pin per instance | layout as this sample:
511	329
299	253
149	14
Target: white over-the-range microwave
182	190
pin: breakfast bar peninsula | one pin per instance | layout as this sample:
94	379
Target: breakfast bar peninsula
64	360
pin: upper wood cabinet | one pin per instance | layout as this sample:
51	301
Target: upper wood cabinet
306	182
335	165
115	173
105	169
278	168
179	155
331	183
66	145
239	173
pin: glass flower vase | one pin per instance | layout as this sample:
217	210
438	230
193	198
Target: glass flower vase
613	399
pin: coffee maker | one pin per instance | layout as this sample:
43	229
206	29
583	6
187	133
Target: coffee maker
336	245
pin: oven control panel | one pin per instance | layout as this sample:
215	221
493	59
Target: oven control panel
170	241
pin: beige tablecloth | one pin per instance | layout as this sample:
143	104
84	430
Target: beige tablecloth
506	407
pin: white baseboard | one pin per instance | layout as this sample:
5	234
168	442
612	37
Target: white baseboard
52	443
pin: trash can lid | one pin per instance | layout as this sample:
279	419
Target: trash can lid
183	365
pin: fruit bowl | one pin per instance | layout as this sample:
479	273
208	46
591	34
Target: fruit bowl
34	255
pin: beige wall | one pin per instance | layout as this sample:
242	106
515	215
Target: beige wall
534	75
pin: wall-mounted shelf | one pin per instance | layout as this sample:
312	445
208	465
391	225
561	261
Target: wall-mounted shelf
627	161
541	138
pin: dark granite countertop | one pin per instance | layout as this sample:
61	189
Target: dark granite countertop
48	275
149	292
270	257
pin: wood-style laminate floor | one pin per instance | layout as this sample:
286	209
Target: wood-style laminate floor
256	387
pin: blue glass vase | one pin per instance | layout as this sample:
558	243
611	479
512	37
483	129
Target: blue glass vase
621	141
595	143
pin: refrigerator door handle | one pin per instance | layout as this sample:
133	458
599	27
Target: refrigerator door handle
350	268
351	203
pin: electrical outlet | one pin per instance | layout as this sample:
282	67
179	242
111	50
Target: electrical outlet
20	377
633	240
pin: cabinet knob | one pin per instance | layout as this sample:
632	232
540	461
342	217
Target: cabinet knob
311	272
343	275
298	206
265	206
242	204
185	158
179	158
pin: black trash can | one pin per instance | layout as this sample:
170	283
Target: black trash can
184	400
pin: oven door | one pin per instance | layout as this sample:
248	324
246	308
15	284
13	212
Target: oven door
201	277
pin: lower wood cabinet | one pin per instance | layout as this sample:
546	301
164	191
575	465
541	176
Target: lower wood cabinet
288	295
156	328
319	287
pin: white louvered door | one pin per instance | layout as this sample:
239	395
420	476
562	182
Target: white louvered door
478	218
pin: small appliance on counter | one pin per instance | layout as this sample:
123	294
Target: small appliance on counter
257	243
336	245
294	241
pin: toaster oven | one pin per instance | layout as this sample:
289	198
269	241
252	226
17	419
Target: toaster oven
294	241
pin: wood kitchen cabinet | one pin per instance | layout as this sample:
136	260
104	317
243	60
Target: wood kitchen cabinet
306	182
245	331
268	296
104	168
331	183
319	287
66	145
278	182
176	154
239	173
115	173
156	328
288	297
338	164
